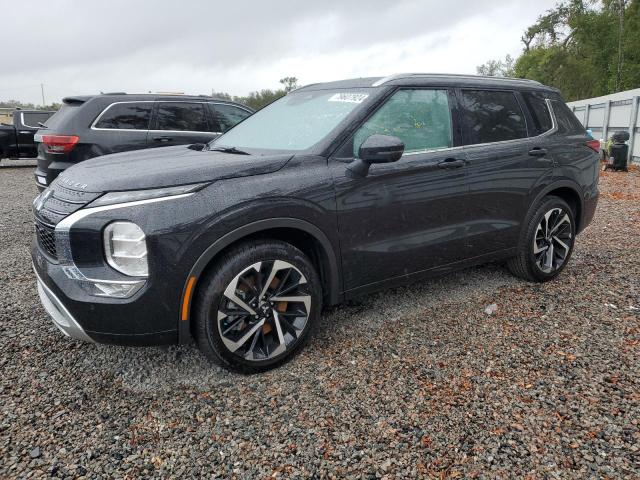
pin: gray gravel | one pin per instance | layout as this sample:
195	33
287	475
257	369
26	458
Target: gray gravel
418	381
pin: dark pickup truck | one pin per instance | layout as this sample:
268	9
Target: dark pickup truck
16	141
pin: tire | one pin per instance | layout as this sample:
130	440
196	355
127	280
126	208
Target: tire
542	256
239	330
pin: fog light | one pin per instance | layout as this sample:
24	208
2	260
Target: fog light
113	290
125	248
104	288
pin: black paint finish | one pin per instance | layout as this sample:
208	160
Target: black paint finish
426	213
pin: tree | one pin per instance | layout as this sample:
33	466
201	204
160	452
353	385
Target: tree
586	48
261	98
497	68
289	83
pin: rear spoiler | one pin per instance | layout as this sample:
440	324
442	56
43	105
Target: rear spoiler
74	100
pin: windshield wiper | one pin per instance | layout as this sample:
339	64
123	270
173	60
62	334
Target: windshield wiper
229	150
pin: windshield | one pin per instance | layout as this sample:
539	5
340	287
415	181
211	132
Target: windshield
295	122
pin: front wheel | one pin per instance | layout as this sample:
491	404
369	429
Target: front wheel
546	242
257	306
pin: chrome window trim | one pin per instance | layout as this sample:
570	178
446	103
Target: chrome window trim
102	129
433	150
26	124
554	129
93	125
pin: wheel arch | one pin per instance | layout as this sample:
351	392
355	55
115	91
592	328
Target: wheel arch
300	233
570	192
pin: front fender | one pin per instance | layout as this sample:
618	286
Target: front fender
184	329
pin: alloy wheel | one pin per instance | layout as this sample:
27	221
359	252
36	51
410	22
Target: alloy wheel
553	239
264	310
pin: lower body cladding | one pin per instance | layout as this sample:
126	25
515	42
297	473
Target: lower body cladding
131	321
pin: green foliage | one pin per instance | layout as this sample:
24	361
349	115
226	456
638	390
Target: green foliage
584	48
27	106
497	68
261	98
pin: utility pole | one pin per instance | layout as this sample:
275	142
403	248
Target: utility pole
42	91
621	5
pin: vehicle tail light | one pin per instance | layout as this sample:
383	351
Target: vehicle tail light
59	143
594	145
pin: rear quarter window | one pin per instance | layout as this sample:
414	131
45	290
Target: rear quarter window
568	124
126	116
539	110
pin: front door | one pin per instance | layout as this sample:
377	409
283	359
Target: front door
407	216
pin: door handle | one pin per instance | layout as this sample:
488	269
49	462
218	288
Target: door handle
451	163
538	152
162	139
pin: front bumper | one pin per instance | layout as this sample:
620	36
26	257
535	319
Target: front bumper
61	317
136	321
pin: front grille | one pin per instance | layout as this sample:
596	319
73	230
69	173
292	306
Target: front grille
47	238
54	204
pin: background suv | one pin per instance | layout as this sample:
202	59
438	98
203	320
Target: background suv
90	126
334	191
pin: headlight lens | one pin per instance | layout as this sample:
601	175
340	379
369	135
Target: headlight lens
125	247
112	198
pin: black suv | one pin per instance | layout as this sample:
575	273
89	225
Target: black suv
90	126
336	190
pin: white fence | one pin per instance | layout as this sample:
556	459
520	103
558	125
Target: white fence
611	113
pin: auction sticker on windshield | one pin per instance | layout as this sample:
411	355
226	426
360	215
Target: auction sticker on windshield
348	97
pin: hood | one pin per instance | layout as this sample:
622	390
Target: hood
164	167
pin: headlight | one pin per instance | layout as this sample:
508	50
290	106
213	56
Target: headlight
125	247
112	198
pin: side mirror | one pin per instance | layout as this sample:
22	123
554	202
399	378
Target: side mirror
375	149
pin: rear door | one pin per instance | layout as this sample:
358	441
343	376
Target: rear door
124	126
182	123
505	167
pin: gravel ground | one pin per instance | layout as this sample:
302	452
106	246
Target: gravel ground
418	381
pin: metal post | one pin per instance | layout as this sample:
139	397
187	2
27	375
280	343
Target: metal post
587	109
632	128
607	116
42	90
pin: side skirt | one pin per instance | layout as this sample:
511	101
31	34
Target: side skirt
430	273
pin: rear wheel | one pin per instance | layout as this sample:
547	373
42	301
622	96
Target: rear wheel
257	307
546	243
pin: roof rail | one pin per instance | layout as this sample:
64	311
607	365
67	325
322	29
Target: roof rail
397	76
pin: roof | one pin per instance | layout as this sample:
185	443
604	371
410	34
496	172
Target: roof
418	79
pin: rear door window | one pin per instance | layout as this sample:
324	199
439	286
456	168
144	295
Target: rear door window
34	119
126	116
182	116
227	116
491	116
540	114
420	118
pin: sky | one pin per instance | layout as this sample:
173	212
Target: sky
199	46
